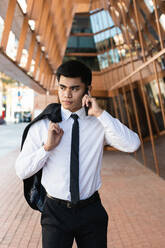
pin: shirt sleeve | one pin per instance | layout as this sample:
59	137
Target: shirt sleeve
117	134
33	156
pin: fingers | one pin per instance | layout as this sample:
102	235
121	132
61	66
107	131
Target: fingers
61	132
55	127
86	100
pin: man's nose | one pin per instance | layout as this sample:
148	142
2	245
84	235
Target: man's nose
68	93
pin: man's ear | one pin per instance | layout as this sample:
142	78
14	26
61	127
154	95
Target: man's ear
89	90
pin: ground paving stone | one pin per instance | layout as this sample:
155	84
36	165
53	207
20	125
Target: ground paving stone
132	195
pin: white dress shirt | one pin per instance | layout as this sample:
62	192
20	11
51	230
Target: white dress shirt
94	134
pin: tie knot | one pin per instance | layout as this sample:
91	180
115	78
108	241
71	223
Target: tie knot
74	116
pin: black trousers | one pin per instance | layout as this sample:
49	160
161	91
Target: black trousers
87	224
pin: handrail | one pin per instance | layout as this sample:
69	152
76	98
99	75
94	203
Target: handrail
120	83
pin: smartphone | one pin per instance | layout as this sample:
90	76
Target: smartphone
86	108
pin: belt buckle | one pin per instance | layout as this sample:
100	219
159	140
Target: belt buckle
69	204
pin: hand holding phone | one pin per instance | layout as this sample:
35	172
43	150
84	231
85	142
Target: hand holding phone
87	107
91	106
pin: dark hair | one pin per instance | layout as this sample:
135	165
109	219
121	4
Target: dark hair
74	68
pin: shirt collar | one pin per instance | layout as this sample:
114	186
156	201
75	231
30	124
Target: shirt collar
67	113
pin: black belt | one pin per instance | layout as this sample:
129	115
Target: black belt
82	203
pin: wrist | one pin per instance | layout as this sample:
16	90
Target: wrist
46	148
98	112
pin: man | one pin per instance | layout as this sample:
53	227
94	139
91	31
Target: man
70	154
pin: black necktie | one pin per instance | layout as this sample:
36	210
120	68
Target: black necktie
74	162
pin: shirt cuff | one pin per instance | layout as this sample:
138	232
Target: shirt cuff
44	152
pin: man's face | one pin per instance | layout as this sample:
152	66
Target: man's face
70	92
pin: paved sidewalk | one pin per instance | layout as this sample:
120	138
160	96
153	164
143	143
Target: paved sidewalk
132	195
10	137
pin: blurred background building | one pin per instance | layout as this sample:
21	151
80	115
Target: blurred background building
122	41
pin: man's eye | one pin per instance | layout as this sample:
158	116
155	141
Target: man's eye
62	88
74	89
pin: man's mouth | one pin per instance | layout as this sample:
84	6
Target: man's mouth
67	102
